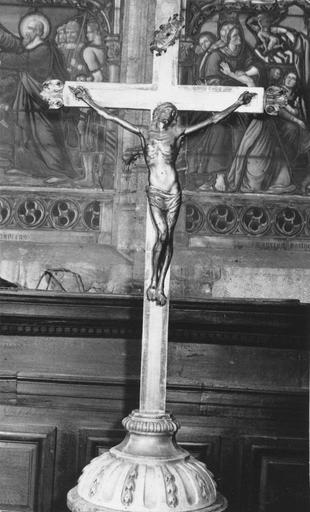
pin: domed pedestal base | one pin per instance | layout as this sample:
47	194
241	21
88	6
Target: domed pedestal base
148	471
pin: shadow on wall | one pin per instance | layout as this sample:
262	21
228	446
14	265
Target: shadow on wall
8	285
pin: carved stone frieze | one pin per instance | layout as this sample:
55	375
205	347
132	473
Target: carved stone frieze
249	220
32	212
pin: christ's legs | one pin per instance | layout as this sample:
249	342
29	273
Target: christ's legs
159	249
172	218
161	298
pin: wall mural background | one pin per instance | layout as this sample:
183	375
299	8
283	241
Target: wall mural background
254	44
68	40
72	213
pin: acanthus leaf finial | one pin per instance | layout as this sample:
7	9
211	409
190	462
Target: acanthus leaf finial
52	93
275	98
167	35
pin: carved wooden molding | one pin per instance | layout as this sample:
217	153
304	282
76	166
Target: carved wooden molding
270	324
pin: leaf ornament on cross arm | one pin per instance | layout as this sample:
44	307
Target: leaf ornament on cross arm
275	98
167	35
52	93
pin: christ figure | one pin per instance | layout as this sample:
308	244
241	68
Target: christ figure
160	146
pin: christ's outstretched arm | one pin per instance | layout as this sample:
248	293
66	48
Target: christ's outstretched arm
82	93
244	99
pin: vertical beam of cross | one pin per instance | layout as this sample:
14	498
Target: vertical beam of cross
156	318
164	88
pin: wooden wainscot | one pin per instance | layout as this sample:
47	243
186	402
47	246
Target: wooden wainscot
237	381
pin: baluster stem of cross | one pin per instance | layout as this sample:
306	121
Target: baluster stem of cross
148	470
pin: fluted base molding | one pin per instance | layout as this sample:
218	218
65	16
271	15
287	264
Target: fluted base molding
147	472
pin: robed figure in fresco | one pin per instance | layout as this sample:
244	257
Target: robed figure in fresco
230	61
39	141
256	45
270	146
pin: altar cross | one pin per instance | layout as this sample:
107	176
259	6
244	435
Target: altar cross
151	420
164	88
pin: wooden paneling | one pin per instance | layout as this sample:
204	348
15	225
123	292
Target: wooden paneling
94	442
237	382
274	474
18	475
283	484
26	470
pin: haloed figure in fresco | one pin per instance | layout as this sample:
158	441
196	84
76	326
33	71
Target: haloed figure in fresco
160	146
39	142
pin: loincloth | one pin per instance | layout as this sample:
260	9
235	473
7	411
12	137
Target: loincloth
163	200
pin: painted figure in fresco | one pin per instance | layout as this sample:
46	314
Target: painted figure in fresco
39	141
294	51
72	49
7	95
275	76
160	147
275	43
270	147
202	50
61	38
292	126
94	54
231	62
91	126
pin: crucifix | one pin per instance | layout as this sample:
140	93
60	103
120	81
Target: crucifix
148	470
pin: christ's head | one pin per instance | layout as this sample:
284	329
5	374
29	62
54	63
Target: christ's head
165	113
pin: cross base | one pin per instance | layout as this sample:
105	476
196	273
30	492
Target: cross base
148	471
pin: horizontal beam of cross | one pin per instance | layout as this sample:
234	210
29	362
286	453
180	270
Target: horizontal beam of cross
147	96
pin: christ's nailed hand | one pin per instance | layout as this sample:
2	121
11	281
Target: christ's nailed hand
246	97
80	92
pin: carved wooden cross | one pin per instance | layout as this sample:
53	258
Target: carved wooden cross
163	88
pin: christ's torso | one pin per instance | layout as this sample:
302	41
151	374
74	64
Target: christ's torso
160	154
